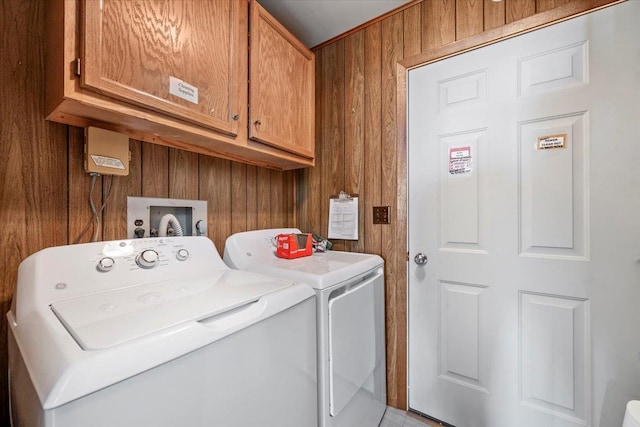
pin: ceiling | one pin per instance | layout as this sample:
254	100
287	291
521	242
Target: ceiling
316	21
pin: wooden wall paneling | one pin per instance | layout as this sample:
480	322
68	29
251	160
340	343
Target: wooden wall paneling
544	5
183	174
516	10
33	160
238	197
372	134
310	216
332	167
494	14
263	184
412	27
155	171
215	188
469	18
252	198
80	215
302	200
114	218
439	23
309	179
289	192
392	50
276	198
354	130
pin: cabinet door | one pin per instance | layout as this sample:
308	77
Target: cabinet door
281	86
177	57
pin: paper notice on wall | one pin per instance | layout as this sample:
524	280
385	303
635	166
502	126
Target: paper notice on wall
460	161
343	218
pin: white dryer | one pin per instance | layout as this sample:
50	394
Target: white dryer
158	332
351	328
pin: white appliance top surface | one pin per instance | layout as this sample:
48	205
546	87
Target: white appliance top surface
107	319
254	251
80	328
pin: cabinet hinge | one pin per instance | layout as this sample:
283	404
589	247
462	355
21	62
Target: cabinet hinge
78	69
407	256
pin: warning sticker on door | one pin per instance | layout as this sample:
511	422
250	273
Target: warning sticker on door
460	160
551	141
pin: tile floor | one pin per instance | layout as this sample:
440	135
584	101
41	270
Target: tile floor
396	418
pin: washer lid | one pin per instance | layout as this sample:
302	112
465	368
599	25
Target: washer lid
107	319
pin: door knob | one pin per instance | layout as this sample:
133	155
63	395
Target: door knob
421	259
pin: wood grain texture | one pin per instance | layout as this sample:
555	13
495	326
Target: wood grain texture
412	28
332	154
252	198
494	14
183	174
33	160
516	10
372	134
469	18
544	5
354	129
439	23
281	95
215	188
155	162
392	49
238	197
276	199
130	53
263	185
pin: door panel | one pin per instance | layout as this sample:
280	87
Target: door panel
523	193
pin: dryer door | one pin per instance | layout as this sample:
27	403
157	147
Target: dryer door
352	342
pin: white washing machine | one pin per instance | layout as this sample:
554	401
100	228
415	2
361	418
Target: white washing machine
351	345
158	332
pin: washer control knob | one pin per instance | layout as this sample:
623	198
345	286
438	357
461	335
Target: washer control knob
105	264
147	258
182	255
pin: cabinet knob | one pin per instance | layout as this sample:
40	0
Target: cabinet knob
257	123
235	117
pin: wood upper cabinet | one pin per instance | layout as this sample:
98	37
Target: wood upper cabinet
175	57
173	73
281	86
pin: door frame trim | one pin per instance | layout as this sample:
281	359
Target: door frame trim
534	22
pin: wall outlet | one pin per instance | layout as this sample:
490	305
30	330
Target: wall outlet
381	215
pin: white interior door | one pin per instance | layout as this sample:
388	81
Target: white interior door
524	194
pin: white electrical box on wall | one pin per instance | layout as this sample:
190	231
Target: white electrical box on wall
146	214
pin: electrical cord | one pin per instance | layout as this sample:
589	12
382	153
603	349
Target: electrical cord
95	220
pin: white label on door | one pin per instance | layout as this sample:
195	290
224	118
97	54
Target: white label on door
183	90
552	141
459	160
107	162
